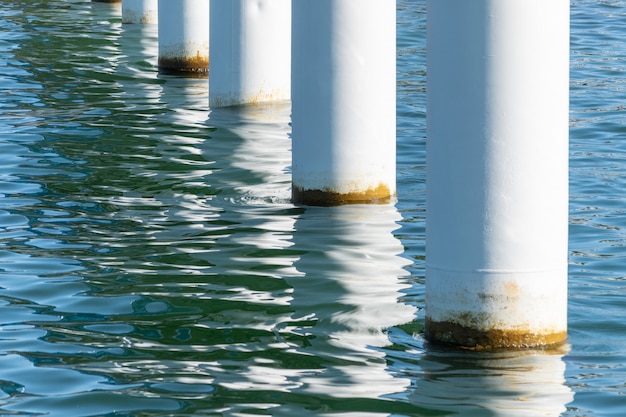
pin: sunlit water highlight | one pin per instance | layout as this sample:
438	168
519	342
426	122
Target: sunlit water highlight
152	264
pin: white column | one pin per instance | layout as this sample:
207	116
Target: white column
250	51
184	36
140	11
497	182
344	102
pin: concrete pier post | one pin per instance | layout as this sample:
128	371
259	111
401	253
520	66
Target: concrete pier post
250	51
497	181
184	36
140	11
344	103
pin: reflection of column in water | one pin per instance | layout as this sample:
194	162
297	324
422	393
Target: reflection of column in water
114	7
185	101
507	384
251	253
136	76
250	147
259	150
349	295
139	46
116	4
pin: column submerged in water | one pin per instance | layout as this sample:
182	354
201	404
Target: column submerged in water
140	11
250	51
497	172
343	101
184	36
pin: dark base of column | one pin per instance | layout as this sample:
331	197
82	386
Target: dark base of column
189	67
454	334
378	195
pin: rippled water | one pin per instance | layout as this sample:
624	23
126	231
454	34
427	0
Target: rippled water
151	262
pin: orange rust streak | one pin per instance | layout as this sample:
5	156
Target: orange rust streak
454	334
379	195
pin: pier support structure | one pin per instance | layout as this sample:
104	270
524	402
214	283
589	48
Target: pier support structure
343	101
251	52
140	11
497	172
184	36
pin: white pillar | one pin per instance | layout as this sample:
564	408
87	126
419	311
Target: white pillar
344	102
184	36
140	11
250	51
497	181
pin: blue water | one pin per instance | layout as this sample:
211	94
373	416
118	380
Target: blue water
151	263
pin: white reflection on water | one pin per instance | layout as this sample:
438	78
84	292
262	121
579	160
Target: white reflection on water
251	148
255	142
349	293
346	284
507	384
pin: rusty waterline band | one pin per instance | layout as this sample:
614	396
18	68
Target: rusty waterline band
454	334
378	195
195	66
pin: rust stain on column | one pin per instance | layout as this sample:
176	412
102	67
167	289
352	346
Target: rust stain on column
455	334
194	66
326	197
